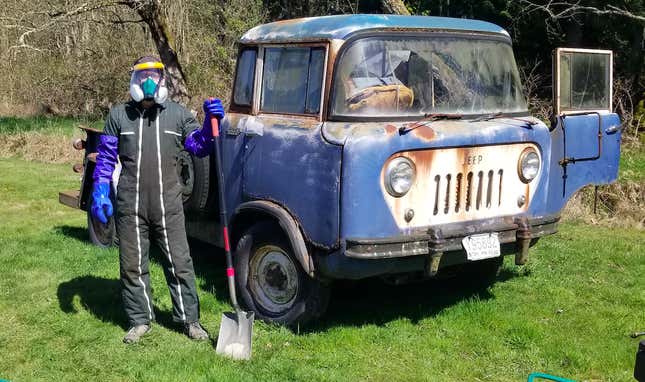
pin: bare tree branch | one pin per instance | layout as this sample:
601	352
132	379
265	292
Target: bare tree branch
60	16
558	10
150	13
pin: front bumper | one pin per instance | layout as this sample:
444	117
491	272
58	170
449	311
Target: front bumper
434	248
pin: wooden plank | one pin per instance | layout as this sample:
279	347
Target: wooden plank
69	198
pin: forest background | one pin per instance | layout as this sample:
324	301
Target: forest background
71	58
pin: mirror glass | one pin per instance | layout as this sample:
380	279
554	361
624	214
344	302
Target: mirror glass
584	81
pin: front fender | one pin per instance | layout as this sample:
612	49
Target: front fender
287	223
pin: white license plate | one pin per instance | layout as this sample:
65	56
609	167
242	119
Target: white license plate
479	247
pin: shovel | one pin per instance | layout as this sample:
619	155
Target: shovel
234	339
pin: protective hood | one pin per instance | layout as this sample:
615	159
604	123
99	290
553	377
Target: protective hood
148	82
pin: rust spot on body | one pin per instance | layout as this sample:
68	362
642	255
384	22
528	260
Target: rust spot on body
460	184
333	48
424	132
390	129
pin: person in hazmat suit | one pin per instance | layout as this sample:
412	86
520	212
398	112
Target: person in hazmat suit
146	134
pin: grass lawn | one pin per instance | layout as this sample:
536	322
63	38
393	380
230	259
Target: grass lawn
48	125
632	164
568	312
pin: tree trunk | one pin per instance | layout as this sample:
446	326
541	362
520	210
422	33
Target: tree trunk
151	13
395	7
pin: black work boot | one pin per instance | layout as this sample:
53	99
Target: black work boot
136	332
195	331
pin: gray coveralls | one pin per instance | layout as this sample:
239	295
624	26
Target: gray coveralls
149	205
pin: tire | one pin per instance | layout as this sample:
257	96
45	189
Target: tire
193	174
101	235
271	281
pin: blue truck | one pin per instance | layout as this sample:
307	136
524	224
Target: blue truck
394	146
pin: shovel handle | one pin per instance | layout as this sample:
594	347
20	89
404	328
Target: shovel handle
230	271
215	127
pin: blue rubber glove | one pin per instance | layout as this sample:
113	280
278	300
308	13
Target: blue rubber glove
101	203
212	108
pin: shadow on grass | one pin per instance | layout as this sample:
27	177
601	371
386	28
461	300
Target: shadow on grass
102	297
210	268
353	303
369	301
77	233
374	302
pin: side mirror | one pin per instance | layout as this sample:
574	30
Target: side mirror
582	80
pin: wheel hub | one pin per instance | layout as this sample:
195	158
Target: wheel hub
273	279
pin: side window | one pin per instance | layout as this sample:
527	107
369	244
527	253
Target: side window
292	80
583	80
243	93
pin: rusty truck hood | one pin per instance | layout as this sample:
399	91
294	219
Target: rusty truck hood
432	134
466	171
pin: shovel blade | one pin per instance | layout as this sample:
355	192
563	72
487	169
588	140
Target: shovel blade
235	331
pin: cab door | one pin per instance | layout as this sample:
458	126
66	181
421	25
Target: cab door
586	133
285	158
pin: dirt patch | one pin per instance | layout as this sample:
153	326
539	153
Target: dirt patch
12	110
39	147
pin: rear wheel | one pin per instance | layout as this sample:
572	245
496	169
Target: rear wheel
271	281
101	235
194	180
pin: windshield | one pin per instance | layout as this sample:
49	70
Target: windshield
414	76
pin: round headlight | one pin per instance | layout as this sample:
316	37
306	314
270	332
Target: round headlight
529	165
399	176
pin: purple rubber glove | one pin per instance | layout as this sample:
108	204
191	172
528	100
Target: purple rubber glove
106	158
199	142
101	203
105	162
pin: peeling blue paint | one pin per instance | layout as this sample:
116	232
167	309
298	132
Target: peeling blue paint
582	142
289	164
342	26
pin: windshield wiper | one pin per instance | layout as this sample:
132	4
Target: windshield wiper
488	117
499	114
427	118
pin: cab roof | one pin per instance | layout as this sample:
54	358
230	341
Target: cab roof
342	26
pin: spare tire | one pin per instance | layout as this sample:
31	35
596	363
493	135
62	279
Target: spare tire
193	174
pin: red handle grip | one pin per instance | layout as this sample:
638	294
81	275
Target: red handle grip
215	126
214	123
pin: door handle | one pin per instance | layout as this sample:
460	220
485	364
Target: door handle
613	129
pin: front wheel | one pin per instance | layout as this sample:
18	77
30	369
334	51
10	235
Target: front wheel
271	281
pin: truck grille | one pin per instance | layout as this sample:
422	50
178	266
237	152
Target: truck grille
459	184
472	191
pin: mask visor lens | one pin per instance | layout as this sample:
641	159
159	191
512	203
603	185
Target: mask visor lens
148	80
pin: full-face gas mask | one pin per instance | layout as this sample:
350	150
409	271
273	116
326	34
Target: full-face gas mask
148	83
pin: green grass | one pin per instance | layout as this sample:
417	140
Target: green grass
49	125
568	312
632	163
